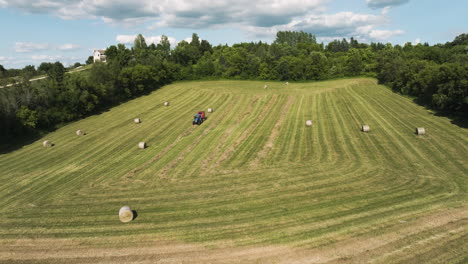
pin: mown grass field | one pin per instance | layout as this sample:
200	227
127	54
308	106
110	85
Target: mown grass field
252	184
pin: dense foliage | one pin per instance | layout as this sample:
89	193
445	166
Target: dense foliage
436	75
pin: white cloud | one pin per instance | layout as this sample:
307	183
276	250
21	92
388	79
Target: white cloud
125	39
417	41
68	47
29	47
23	47
339	23
178	13
128	39
260	18
386	10
384	34
157	39
3	4
374	4
328	27
46	57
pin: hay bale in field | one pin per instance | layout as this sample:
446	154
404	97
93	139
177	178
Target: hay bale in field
80	132
142	145
309	123
287	83
47	144
420	131
137	120
125	214
365	128
210	110
265	86
166	103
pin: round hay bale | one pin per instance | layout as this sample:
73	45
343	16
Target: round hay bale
166	103
309	123
210	110
125	214
142	145
265	86
137	120
365	128
420	131
47	144
80	132
287	83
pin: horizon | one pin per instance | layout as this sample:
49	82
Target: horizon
76	28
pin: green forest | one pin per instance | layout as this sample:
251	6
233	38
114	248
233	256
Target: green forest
435	76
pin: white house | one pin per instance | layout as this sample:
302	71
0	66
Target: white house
99	55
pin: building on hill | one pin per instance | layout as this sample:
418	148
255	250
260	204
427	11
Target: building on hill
99	55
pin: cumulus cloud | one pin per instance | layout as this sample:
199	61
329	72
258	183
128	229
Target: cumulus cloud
186	13
68	47
3	58
259	18
128	39
23	47
384	34
46	57
30	47
328	27
375	4
343	23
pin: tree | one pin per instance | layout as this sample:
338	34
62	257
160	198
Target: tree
2	70
137	79
293	37
195	41
164	46
355	65
283	69
139	43
29	71
57	72
205	46
27	117
205	66
90	60
44	67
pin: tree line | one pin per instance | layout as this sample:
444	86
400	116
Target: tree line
436	75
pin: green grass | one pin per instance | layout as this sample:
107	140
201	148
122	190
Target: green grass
252	174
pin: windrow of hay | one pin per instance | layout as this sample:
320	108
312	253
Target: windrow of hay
137	120
210	110
420	131
309	123
365	128
142	145
80	132
47	144
125	214
166	103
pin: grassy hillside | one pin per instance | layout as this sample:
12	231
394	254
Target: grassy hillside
252	183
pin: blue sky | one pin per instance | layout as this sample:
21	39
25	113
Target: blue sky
34	31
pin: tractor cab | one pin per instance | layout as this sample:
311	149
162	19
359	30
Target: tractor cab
199	118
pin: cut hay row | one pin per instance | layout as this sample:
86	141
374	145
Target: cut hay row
328	186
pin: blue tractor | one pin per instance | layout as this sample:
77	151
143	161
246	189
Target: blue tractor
199	118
